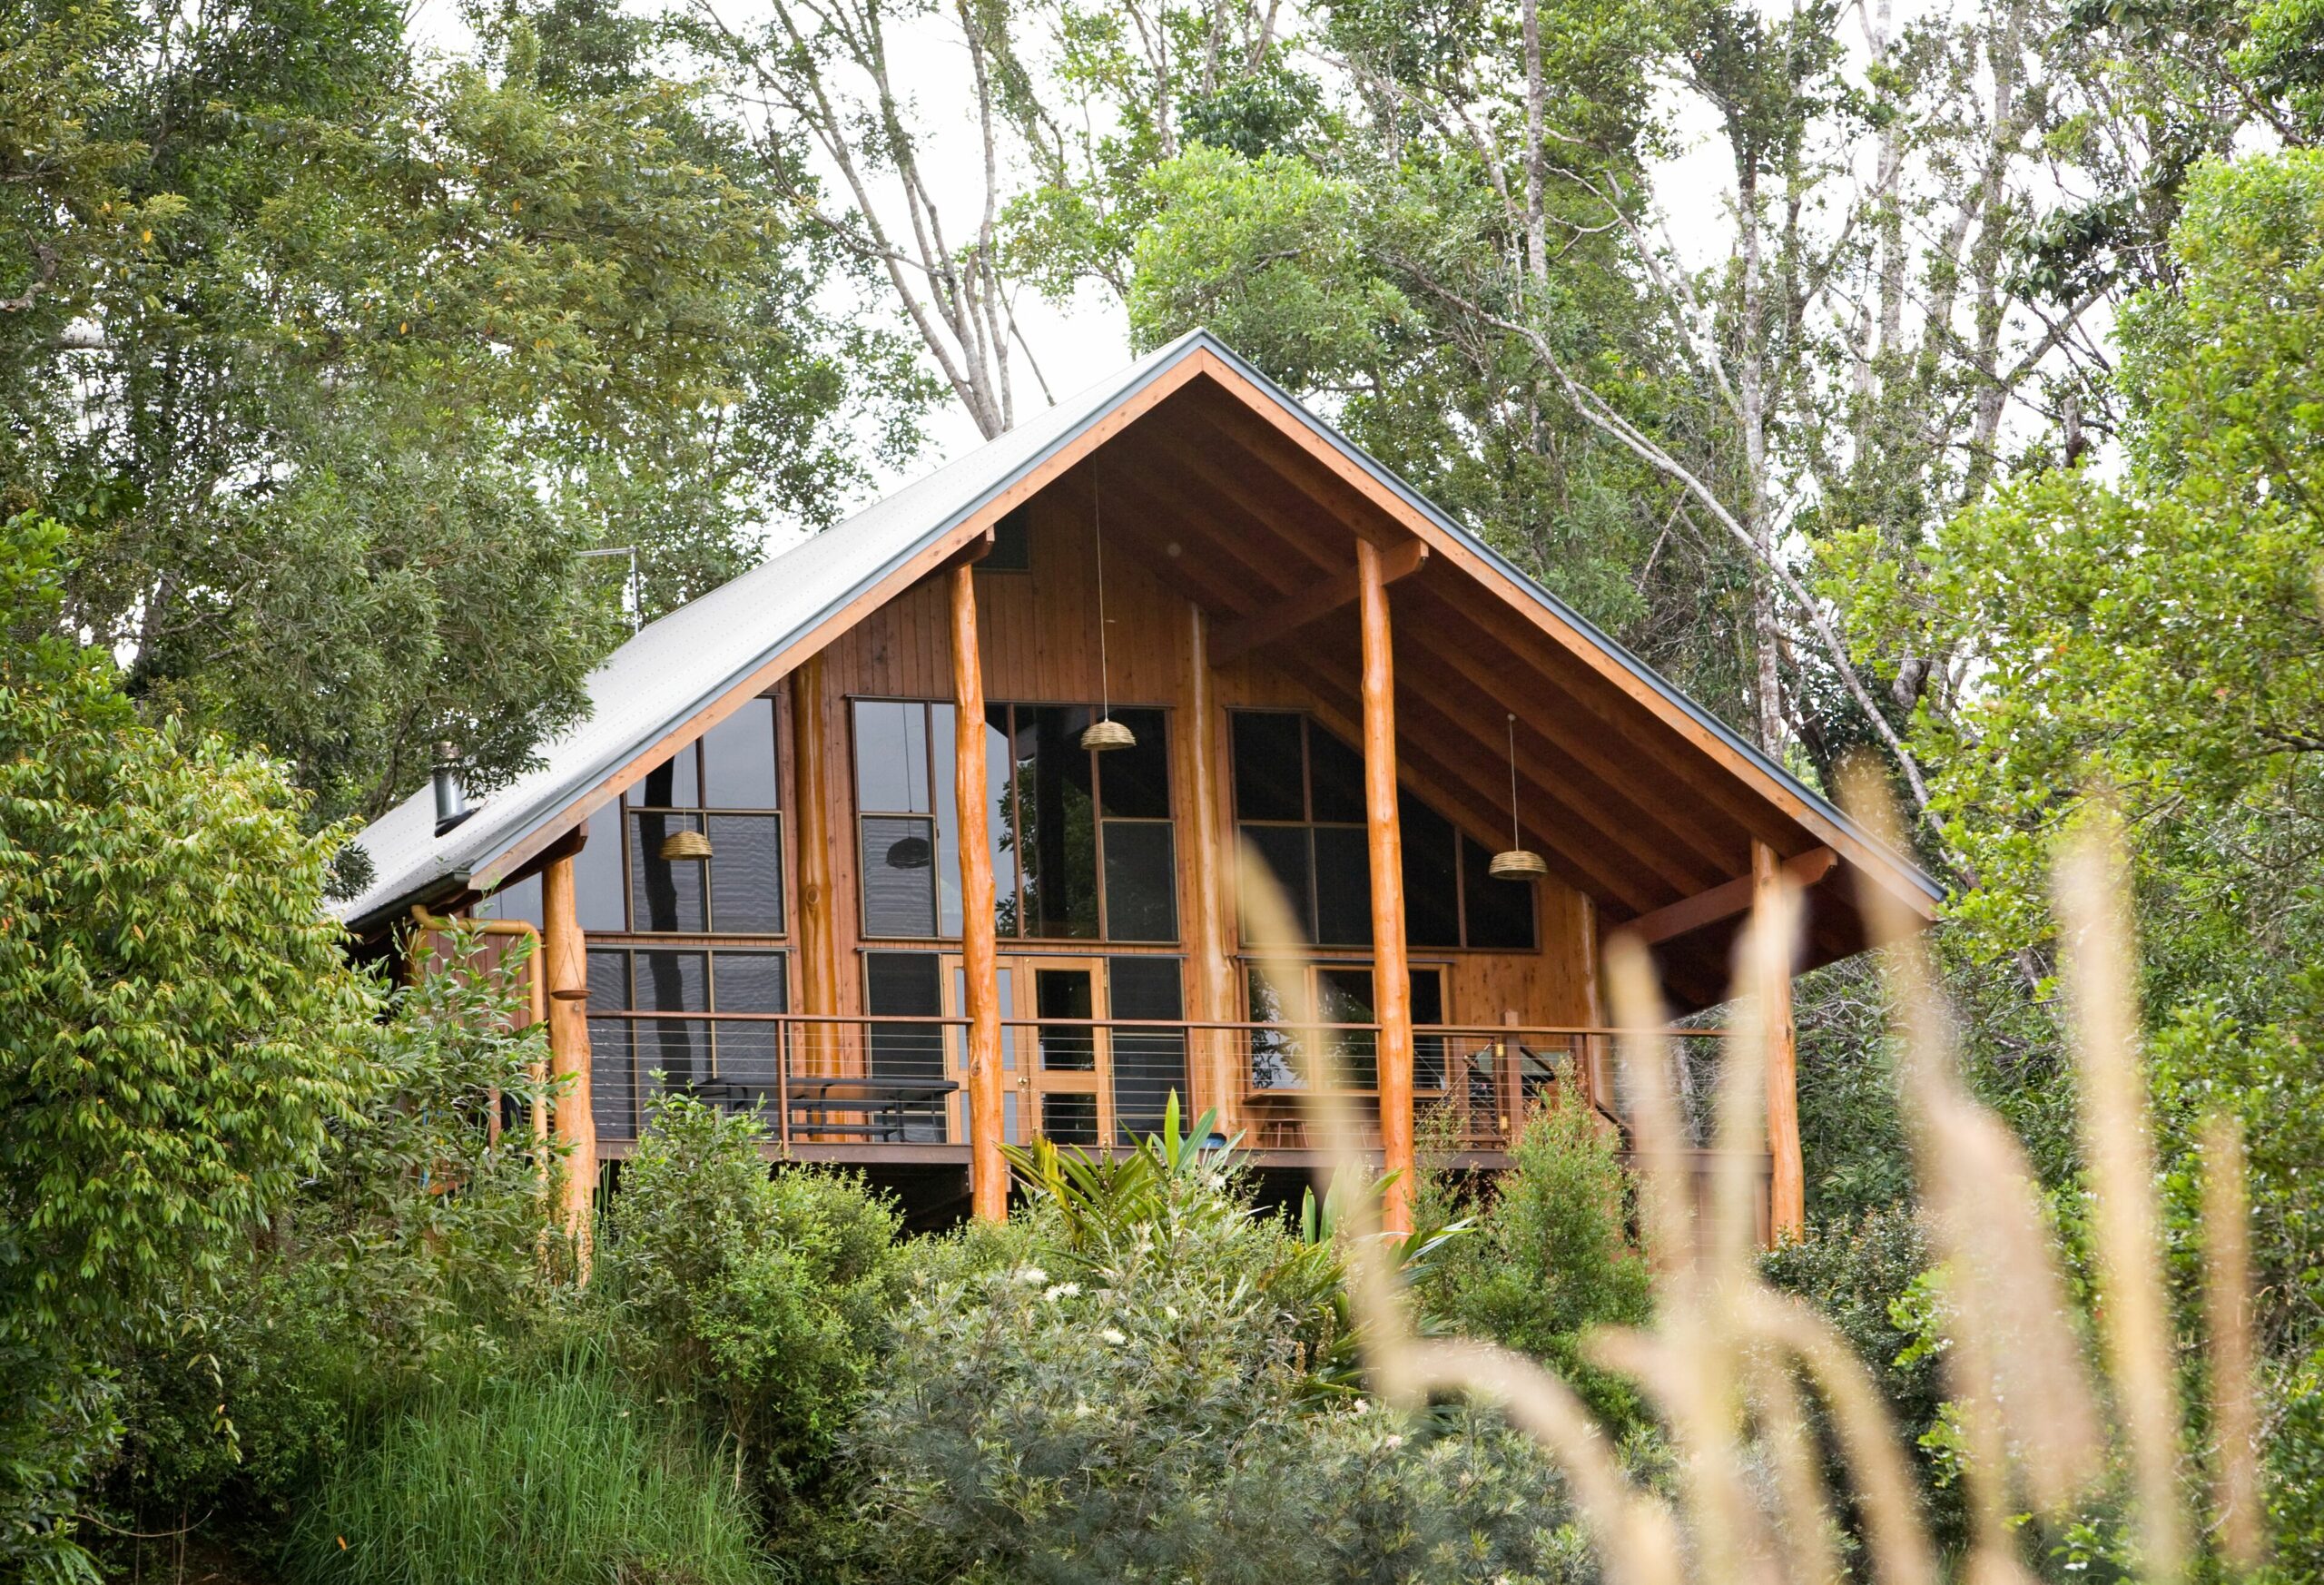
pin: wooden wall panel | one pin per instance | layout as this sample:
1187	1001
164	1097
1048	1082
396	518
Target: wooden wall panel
1038	632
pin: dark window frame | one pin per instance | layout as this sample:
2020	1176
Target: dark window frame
1462	841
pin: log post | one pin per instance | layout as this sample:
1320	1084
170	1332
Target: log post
980	949
568	1049
1391	976
1786	1176
818	922
1213	992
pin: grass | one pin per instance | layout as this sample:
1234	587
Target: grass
549	1475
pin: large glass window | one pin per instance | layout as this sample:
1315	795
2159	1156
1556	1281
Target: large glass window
692	1042
1149	1065
1082	846
701	840
1342	994
1299	806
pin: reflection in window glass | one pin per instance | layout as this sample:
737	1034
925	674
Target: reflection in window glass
1055	834
1149	1065
898	865
522	901
891	757
1069	1119
672	784
597	885
748	981
745	874
738	758
665	894
1275	1053
1141	881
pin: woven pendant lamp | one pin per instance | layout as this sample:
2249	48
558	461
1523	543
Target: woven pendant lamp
1519	862
684	845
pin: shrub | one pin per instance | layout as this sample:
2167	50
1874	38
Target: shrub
1549	1256
551	1474
420	1240
760	1293
1135	1398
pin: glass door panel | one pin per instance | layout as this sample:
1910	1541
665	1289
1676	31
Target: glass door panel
1064	1066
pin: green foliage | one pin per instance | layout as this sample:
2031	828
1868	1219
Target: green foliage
1550	1257
180	1020
1127	1393
762	1293
554	1473
331	356
416	1247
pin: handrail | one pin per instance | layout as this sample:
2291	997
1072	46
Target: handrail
955	1021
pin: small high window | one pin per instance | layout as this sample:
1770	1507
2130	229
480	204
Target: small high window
699	845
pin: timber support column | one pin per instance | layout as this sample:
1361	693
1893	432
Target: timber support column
568	1050
1788	1175
1391	1002
1214	985
979	953
818	925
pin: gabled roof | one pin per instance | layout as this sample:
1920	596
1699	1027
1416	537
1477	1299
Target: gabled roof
683	664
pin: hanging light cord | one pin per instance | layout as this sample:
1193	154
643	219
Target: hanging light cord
1097	538
1515	839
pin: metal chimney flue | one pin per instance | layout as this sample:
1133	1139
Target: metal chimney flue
451	798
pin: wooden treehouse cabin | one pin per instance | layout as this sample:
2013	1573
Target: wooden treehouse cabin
924	835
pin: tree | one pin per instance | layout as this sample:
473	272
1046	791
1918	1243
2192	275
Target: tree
332	361
181	1025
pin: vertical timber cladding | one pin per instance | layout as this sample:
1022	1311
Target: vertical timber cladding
1038	630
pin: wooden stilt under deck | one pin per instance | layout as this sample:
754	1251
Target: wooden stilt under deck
1391	978
568	1047
1214	990
1788	1176
818	926
979	956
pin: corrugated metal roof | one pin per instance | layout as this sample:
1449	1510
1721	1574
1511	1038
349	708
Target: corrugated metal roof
695	655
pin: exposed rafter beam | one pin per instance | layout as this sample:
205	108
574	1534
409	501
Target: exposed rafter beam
1725	900
1236	639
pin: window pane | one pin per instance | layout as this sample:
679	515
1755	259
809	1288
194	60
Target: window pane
613	1075
941	718
907	985
522	901
1343	887
738	758
597	887
670	784
890	757
665	894
1149	1065
999	826
677	1049
1141	881
748	981
1064	993
1344	996
899	877
1335	777
1069	1119
1428	1008
746	874
1432	861
1500	912
608	972
1275	1056
1268	777
1134	783
1282	850
1057	839
669	981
